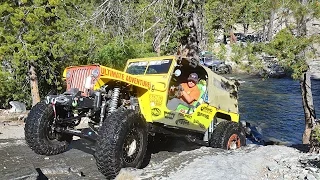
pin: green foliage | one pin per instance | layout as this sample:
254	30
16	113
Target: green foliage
290	50
247	53
172	46
47	35
115	54
223	14
53	34
222	52
316	135
8	88
315	6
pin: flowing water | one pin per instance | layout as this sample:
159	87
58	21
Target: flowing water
274	106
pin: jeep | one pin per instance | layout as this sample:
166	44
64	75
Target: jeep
126	107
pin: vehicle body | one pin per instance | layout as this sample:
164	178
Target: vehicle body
125	107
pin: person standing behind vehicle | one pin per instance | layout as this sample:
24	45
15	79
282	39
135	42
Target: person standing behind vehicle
188	95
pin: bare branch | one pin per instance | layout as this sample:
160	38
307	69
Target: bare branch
151	26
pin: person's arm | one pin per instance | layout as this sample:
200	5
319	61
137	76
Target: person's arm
187	97
193	96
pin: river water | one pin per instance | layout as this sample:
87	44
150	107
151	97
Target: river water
274	106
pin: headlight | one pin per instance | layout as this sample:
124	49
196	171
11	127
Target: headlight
68	75
95	73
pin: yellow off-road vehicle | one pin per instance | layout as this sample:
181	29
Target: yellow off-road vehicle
125	107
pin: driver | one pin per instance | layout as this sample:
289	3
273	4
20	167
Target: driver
188	95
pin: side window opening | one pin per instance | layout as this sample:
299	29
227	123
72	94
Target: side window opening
220	115
183	78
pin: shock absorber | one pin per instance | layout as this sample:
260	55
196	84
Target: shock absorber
114	100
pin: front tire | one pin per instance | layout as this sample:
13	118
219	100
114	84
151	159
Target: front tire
122	142
228	135
40	134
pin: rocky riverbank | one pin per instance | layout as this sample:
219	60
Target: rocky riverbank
250	162
180	160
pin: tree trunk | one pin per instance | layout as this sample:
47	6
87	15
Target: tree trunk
157	41
302	22
190	42
307	102
264	31
245	29
233	38
34	86
225	36
202	36
270	25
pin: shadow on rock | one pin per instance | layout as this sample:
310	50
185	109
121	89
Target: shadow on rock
83	145
161	143
41	176
301	147
315	163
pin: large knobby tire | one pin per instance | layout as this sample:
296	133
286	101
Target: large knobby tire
39	131
122	142
228	135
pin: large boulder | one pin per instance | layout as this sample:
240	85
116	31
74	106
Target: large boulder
17	107
315	69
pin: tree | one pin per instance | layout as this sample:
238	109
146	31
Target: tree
39	38
304	11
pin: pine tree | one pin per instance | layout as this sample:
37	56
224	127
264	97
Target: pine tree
41	37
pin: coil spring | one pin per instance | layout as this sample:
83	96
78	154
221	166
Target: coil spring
114	100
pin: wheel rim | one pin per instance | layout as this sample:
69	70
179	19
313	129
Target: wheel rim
234	142
131	146
49	130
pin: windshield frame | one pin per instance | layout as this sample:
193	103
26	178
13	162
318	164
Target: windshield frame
149	63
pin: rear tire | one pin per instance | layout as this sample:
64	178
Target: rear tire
40	134
122	142
228	135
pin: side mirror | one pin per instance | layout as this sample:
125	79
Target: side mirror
177	72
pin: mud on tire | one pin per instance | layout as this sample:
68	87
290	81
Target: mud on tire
122	142
228	135
39	133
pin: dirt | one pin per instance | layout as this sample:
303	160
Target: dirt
11	129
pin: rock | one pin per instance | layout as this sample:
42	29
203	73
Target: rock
311	177
17	107
288	176
272	167
312	169
315	69
313	157
81	174
317	175
304	161
22	117
301	176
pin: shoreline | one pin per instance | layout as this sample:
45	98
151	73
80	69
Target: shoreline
183	160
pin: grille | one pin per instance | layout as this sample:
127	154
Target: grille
78	75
